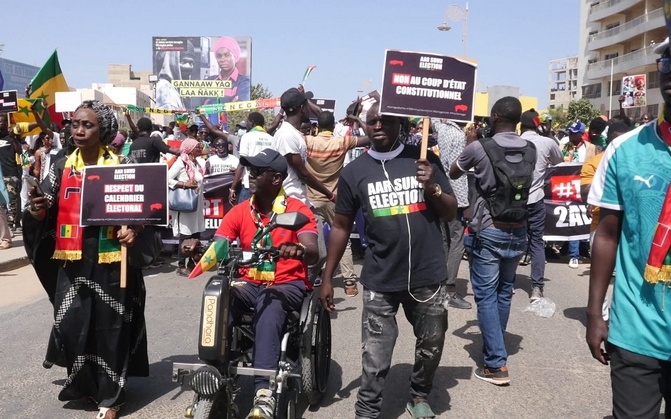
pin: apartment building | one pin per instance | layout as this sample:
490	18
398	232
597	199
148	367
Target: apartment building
617	39
563	82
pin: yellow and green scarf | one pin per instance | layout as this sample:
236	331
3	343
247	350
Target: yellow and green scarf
265	269
69	234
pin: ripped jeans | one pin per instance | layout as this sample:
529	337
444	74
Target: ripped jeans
378	335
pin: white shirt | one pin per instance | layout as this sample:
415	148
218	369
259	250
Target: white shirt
221	165
251	144
288	140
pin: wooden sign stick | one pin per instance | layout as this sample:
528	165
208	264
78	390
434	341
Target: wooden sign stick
425	138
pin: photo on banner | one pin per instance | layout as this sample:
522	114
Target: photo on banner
201	70
634	91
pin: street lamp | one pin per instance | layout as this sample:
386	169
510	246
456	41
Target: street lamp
455	13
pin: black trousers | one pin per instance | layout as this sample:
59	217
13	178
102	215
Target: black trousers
639	383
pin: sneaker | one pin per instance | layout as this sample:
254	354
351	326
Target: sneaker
536	294
496	376
264	405
182	271
457	301
573	263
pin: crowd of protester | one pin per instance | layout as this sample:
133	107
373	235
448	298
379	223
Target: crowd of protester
338	171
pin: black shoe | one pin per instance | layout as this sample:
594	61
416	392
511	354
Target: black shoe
496	376
457	301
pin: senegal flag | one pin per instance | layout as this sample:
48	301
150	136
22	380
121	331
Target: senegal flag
44	85
214	254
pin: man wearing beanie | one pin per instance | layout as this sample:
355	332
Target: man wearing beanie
147	148
547	154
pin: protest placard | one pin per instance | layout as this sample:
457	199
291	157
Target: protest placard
325	105
428	85
129	194
9	101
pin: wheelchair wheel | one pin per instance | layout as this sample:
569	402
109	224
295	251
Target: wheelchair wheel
213	407
316	357
286	407
322	349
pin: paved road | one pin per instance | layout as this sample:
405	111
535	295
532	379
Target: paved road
553	374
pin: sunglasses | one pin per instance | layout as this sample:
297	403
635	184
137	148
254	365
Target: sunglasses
664	65
258	171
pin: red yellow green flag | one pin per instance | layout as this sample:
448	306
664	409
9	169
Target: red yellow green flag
48	80
214	254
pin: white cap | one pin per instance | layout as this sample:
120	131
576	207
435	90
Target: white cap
659	49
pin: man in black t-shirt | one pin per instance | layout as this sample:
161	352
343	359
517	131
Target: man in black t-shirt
146	148
403	199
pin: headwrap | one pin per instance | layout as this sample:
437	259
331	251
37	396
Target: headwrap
230	44
119	140
187	146
106	120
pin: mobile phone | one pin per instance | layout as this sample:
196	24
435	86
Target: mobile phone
32	181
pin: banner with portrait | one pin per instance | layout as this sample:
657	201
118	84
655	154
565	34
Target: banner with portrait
565	213
193	71
634	91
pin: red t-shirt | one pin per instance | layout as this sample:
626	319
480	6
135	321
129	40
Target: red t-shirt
238	222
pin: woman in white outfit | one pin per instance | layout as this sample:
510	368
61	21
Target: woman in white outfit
187	173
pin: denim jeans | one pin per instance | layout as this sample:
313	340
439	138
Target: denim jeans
494	257
574	249
245	194
536	224
379	331
453	243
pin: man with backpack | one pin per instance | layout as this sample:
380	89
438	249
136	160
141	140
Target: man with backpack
497	239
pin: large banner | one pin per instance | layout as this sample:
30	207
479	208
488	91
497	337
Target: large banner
201	70
428	85
565	214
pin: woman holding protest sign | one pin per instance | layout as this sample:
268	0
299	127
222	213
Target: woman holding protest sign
99	326
186	173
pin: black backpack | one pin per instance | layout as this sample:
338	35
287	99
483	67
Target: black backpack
507	202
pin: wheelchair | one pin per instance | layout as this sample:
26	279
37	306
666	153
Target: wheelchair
305	350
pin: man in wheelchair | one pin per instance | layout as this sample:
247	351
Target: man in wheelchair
272	289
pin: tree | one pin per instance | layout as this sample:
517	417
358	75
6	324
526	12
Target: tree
581	110
259	91
559	118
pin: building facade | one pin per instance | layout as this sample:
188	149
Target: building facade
563	82
617	40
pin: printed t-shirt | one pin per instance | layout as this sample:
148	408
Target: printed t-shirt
633	177
216	164
251	144
402	229
238	222
148	149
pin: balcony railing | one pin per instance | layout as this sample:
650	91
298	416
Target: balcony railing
623	63
632	24
609	7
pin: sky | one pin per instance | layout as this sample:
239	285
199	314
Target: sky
512	41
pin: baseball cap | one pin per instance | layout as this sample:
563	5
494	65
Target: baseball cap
529	119
267	158
292	99
242	124
659	49
577	127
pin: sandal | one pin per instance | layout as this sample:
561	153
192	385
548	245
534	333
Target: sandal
351	289
420	410
108	412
